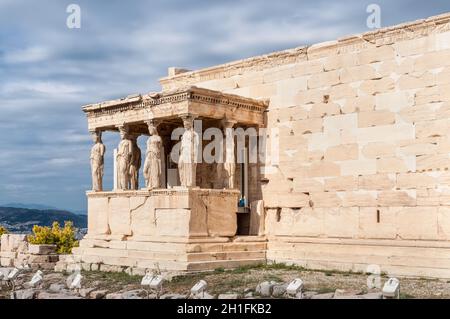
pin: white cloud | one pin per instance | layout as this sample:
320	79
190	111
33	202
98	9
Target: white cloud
28	55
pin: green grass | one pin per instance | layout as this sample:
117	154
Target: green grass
404	295
325	290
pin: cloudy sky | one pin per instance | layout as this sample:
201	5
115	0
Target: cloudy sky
47	71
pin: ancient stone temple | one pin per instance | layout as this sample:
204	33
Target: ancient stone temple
187	216
361	129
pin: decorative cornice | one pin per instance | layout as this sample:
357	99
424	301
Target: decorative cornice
190	94
388	35
163	192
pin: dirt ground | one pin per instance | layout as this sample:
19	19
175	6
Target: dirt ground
243	280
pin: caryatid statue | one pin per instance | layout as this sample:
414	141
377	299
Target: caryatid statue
123	159
187	162
97	161
135	164
230	162
152	165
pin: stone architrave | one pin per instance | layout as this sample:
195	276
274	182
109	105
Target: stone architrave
124	156
97	161
187	163
153	164
230	162
135	164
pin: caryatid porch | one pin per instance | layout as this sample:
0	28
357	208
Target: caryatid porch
186	205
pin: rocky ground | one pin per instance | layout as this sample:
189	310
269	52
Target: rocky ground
238	283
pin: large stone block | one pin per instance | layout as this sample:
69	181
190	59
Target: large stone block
386	133
98	215
325	199
378	150
361	198
377	86
342	183
376	54
13	243
358	104
397	198
359	167
416	180
395	165
394	101
307	126
417	223
119	216
375	118
324	169
377	223
324	109
323	79
357	73
377	182
342	152
433	162
307	185
443	221
342	222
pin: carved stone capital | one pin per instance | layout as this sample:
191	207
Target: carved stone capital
226	123
188	120
152	125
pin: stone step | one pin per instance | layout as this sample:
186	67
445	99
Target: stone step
226	264
231	255
234	246
364	250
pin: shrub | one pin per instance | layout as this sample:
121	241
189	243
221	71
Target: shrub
3	230
63	238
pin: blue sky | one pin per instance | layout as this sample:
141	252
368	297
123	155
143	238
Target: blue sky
47	71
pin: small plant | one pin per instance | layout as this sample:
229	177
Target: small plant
63	238
3	230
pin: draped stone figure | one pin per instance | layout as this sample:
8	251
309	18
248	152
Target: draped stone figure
124	156
187	165
230	161
97	161
135	164
152	165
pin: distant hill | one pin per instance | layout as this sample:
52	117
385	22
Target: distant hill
29	206
18	219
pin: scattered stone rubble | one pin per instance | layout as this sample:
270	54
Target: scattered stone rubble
15	251
29	284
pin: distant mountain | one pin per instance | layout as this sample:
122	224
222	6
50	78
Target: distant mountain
29	206
23	219
41	207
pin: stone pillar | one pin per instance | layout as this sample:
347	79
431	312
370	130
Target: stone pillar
135	165
187	163
229	158
124	157
97	161
153	158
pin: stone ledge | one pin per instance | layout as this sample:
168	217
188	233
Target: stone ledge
388	35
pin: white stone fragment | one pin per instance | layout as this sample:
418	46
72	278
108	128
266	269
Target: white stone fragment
153	282
391	288
13	274
74	281
294	287
37	278
199	287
